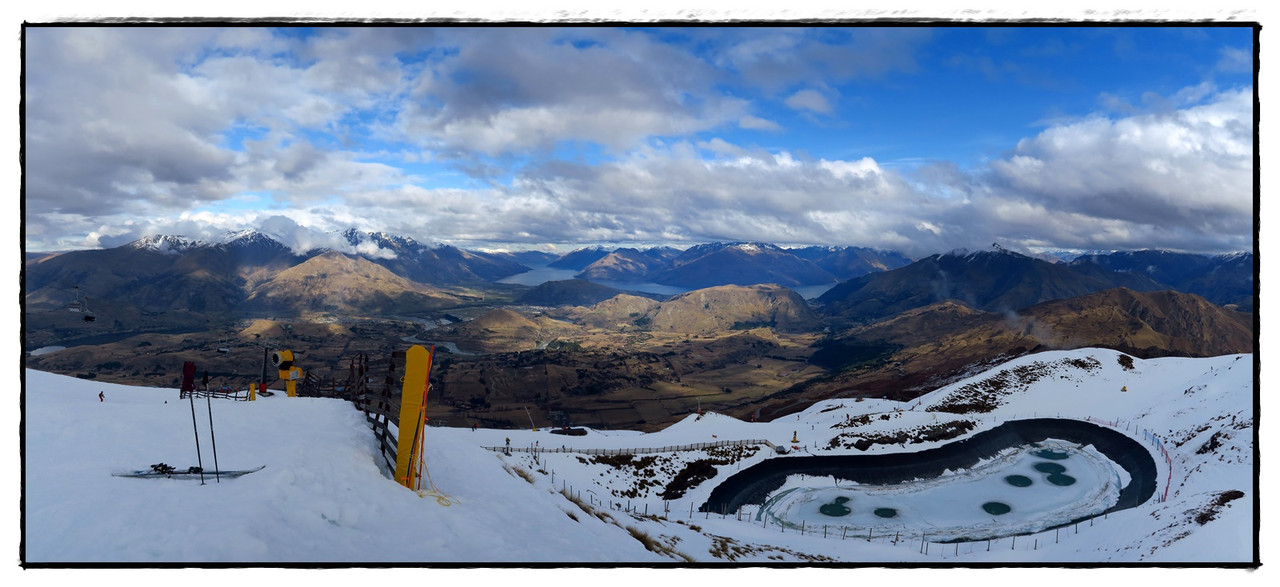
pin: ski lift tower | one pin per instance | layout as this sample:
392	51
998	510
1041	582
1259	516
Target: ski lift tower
81	306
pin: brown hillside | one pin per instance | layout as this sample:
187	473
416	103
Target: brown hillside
339	284
501	320
504	330
1142	323
917	351
621	265
269	329
620	312
735	307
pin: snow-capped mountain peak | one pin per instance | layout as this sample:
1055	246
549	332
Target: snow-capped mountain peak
167	244
251	238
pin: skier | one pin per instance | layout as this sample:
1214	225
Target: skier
101	397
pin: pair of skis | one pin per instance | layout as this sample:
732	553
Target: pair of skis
164	471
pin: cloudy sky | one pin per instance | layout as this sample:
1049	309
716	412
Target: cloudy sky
918	139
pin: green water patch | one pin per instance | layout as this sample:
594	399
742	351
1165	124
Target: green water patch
1018	480
996	508
1049	467
1061	480
836	508
886	512
1052	455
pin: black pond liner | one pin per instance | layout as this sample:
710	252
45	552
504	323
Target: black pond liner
1018	480
996	508
1049	468
754	484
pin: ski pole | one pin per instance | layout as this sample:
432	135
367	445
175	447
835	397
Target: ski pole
196	432
217	474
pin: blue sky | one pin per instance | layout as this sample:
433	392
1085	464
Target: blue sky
915	138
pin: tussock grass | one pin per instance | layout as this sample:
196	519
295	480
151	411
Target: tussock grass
650	543
521	473
653	545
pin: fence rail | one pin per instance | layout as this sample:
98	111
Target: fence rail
630	451
240	395
917	540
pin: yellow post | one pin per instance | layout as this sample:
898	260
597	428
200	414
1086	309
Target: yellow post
413	398
290	377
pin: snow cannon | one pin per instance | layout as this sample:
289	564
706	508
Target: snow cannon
283	360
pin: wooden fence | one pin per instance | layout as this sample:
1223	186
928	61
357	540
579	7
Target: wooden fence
377	393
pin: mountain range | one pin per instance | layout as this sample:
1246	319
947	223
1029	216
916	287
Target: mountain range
898	331
1002	280
249	272
1222	279
735	263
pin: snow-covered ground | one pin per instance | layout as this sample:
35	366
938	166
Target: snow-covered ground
322	497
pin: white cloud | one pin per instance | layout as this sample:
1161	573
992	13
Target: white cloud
371	249
851	169
1235	60
757	123
809	100
1181	174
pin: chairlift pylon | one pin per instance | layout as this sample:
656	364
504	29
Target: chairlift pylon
81	306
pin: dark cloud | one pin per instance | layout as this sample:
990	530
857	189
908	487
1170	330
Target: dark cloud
521	89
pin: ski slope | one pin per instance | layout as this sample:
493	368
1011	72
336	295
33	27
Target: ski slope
323	499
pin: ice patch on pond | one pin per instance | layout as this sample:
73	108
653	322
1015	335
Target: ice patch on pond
958	505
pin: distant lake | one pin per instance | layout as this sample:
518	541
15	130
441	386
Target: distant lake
541	275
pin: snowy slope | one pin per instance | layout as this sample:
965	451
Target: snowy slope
323	498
